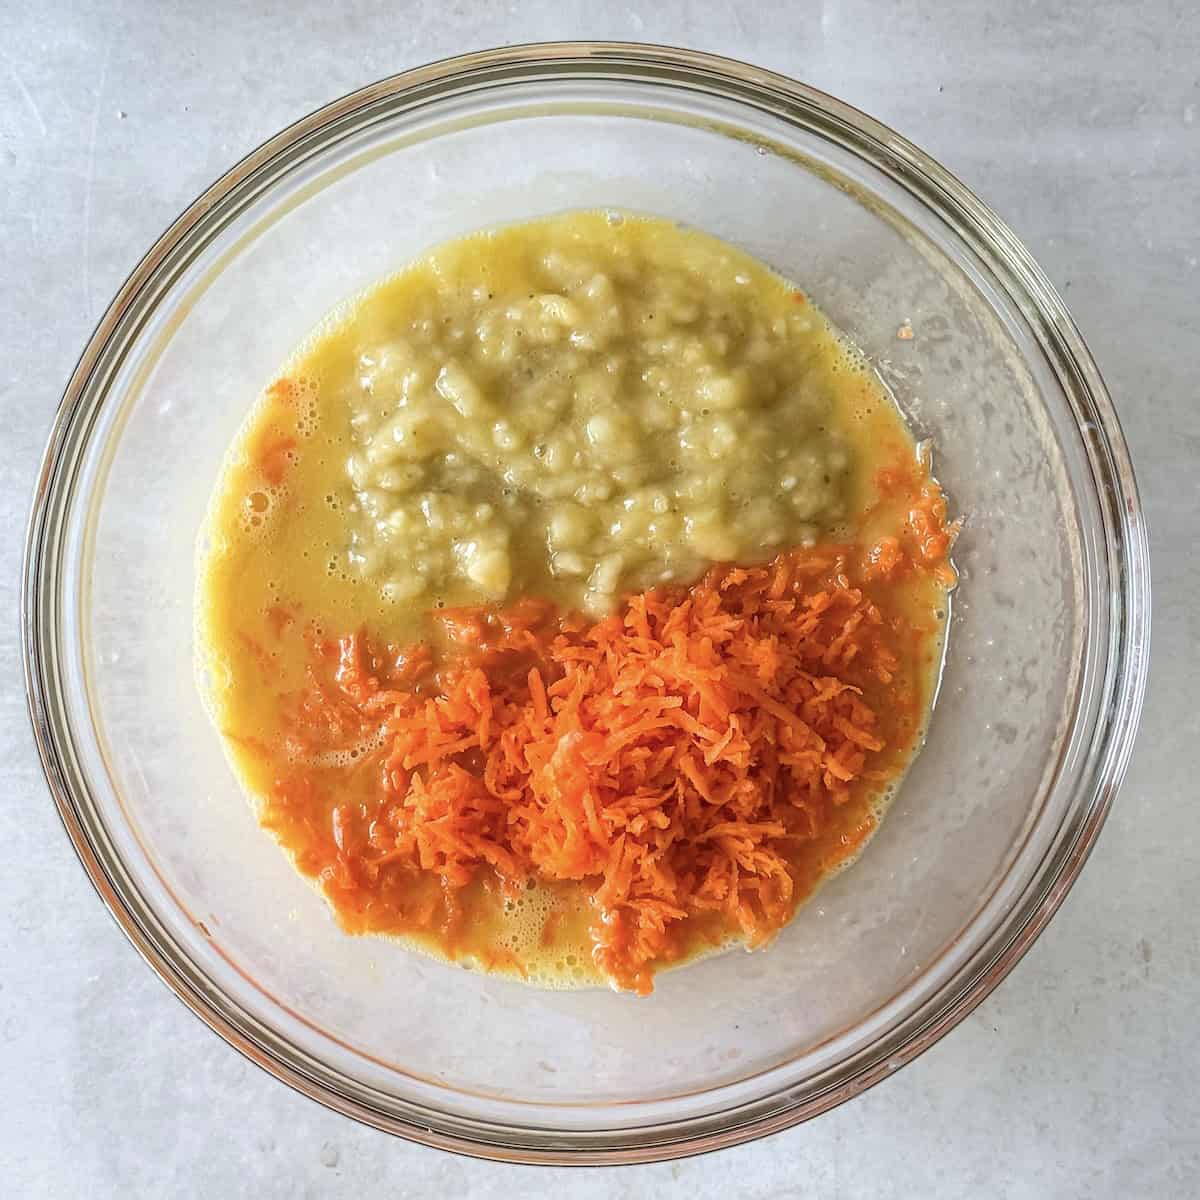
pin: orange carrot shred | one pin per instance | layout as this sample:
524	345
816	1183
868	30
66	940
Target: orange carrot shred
670	757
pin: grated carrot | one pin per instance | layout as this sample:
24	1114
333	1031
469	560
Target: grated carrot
670	758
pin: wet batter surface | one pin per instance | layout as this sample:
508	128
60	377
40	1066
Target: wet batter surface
459	539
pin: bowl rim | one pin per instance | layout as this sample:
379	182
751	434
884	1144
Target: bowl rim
1108	458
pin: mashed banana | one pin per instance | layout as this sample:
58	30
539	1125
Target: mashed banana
602	402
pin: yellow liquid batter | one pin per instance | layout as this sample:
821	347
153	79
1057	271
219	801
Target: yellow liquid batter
575	408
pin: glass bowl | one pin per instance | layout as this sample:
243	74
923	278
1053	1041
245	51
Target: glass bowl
1041	687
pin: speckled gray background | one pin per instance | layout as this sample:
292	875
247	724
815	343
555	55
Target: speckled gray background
1078	122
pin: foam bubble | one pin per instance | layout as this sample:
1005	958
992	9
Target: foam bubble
258	507
305	399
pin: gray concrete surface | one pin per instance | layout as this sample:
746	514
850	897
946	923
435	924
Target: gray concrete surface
1078	121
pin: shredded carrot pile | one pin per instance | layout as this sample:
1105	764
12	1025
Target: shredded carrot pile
671	758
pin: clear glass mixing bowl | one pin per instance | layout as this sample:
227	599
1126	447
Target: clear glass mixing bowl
1038	704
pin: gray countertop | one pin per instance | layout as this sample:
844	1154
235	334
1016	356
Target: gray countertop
1079	122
